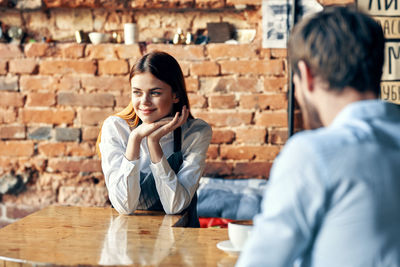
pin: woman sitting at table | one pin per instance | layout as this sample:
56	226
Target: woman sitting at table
153	152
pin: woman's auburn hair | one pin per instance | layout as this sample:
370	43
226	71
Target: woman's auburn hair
165	68
129	115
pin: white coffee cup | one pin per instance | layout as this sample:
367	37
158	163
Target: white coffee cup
130	33
238	232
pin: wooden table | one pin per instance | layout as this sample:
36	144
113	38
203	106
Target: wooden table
61	236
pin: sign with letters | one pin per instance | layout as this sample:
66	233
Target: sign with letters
387	14
380	7
391	68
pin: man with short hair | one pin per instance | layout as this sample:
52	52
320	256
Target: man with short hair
334	192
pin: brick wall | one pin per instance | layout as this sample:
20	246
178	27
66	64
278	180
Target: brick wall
54	96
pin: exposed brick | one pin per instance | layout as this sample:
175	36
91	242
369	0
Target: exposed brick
9	83
222	101
222	119
10	51
202	18
218	169
52	149
229	84
67	66
8	164
8	115
128	51
222	136
101	51
226	51
262	101
105	83
3	67
80	149
37	83
39	133
72	50
16	148
11	99
197	101
251	135
70	83
298	120
205	68
212	152
22	66
279	53
32	4
47	116
12	132
192	84
265	53
185	66
41	99
122	100
32	197
113	67
68	134
244	2
72	165
275	84
83	195
93	99
252	169
90	133
80	18
36	49
180	52
270	67
271	119
162	4
18	211
277	136
249	152
94	117
210	3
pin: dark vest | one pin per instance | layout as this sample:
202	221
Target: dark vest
149	197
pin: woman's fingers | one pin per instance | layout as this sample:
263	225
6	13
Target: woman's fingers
167	125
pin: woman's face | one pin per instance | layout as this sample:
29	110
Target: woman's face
152	99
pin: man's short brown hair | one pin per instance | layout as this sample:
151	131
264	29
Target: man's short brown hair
342	46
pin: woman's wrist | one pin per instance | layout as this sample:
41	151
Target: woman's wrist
152	140
133	148
155	150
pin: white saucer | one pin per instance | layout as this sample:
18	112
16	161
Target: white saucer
227	247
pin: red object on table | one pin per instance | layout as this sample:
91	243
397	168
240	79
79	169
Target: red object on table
214	222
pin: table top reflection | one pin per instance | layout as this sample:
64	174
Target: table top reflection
93	236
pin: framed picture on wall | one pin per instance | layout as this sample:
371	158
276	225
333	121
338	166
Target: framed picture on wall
278	19
276	22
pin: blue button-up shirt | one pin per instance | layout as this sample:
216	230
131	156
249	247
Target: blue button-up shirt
334	195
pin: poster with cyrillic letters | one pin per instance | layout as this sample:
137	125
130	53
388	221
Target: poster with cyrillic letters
387	14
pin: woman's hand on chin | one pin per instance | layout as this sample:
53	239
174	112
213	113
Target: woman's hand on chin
145	129
170	125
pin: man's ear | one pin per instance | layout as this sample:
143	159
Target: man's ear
305	76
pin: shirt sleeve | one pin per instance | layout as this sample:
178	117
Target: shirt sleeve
122	176
291	210
177	190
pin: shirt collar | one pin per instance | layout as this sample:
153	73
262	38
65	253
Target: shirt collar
366	109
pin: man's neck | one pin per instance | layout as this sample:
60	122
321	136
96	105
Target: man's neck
330	103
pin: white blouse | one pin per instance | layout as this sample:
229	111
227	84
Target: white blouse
122	176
